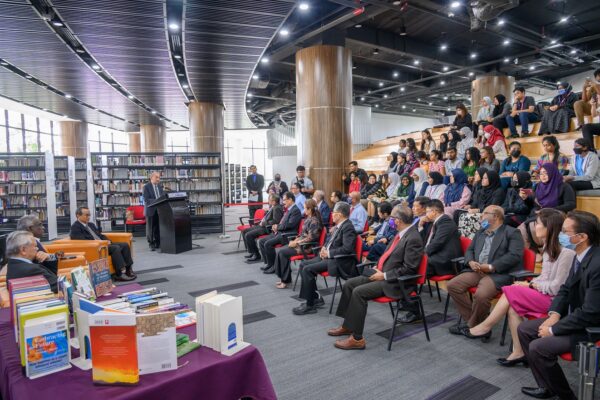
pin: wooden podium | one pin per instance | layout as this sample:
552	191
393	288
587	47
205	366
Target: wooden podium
174	222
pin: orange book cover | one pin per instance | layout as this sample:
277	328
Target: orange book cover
114	349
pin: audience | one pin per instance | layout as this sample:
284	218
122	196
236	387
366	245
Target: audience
467	141
511	165
436	164
443	242
584	173
419	177
423	160
443	147
33	225
495	252
353	167
402	163
402	257
358	214
516	209
489	193
488	159
494	138
427	142
574	308
22	254
278	187
311	232
501	110
483	115
250	235
463	117
551	191
589	92
411	163
405	190
299	197
593	129
531	299
457	194
419	209
411	146
381	235
552	154
355	185
471	162
382	195
304	182
402	149
336	196
436	187
323	207
557	116
393	160
336	257
452	160
455	139
83	229
523	113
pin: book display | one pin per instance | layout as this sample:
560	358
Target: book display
235	183
119	178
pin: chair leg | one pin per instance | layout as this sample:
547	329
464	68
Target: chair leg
337	279
504	327
391	309
297	275
326	284
393	331
446	307
429	286
239	240
437	286
424	319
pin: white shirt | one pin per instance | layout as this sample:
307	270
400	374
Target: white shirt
22	259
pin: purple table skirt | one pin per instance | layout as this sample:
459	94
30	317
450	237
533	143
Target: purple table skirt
203	374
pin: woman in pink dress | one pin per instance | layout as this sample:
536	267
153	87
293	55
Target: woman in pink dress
436	164
531	299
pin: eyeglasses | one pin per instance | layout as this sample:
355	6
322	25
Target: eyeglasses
544	173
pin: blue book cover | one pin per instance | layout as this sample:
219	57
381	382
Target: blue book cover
100	277
47	345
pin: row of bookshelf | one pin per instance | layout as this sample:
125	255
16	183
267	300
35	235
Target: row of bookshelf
154	160
7	176
22	188
13	160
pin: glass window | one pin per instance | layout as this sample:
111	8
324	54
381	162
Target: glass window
45	125
31	123
94	146
46	142
178	141
14	119
31	142
15	140
121	147
3	143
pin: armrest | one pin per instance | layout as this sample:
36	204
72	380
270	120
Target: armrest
308	244
458	260
344	255
316	250
119	237
288	234
242	220
593	331
405	278
523	274
361	267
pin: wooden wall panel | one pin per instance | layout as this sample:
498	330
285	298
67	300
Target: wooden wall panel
74	138
206	127
153	138
490	85
135	143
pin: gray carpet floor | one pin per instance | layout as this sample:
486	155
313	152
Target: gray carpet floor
300	356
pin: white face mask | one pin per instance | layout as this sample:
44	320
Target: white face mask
487	136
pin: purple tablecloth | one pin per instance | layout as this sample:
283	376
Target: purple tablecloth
203	374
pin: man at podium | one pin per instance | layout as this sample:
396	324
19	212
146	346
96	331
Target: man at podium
152	191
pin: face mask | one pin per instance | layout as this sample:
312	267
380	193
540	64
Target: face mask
514	183
577	150
277	179
515	153
561	91
565	241
392	223
485	224
486	136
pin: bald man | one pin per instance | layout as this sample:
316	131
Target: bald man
495	252
152	191
358	214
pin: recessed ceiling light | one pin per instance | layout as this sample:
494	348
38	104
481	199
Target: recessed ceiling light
563	20
57	23
444	47
248	100
153	112
376	105
375	51
385	96
362	99
358	26
96	67
445	97
255	77
380	84
507	60
403	30
177	56
185	86
68	96
531	68
369	91
455	4
181	74
473	55
442	82
80	51
173	26
402	89
471	73
414	109
506	42
445	68
354	67
416	62
501	22
419	99
4	63
264	60
249	95
396	74
27	76
403	107
397	3
448	108
304	6
130	97
574	51
284	32
430	104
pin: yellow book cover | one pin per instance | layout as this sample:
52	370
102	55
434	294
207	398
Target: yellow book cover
24	317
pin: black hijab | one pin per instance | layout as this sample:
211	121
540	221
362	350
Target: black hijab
487	192
498	109
523	179
437	178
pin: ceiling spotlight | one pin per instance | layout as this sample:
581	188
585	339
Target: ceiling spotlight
506	42
445	97
574	51
414	110
473	55
563	20
255	77
507	60
376	105
403	30
531	67
501	22
416	62
419	99
250	95
4	63
557	83
553	41
380	84
185	86
471	73
362	99
68	96
448	108
445	68
385	96
444	47
173	26
358	26
354	67
153	112
177	56
181	74
403	107
375	51
284	32
80	51
402	89
248	101
369	91
396	74
130	97
455	4
430	104
96	67
264	60
304	6
27	76
442	82
57	23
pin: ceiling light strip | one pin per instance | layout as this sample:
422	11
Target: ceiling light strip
174	30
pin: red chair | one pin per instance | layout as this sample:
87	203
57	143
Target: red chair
338	281
137	212
412	297
307	256
258	216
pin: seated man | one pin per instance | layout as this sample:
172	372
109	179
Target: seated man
402	257
272	217
384	233
443	242
419	210
358	214
324	209
288	225
33	225
575	308
299	198
341	242
21	251
523	113
495	252
83	229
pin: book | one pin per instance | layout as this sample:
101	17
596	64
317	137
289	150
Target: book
187	347
114	348
157	344
23	285
47	345
100	277
60	310
81	282
186	318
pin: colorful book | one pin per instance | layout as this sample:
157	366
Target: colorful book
114	348
58	310
47	345
100	277
81	282
157	344
186	318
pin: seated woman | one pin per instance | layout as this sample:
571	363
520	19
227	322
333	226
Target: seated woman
471	163
491	193
401	165
384	193
454	142
531	299
436	187
370	188
495	139
427	142
463	117
551	154
467	141
515	209
557	117
488	159
405	190
511	165
423	159
355	184
436	164
457	194
501	110
584	173
443	147
485	112
392	158
311	232
379	237
419	177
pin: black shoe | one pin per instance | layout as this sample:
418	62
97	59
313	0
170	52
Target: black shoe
152	248
511	363
269	270
537	392
410	317
513	136
255	257
264	267
484	338
319	302
249	255
457	329
303	309
124	278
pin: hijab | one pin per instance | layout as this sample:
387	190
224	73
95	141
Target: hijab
495	135
454	190
405	191
561	99
394	160
394	180
411	163
488	101
501	101
436	189
487	192
523	179
547	193
420	172
467	132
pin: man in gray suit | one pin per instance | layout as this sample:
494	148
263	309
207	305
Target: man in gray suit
495	252
402	257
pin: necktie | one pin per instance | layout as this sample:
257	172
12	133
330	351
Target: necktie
92	233
387	253
335	231
351	209
430	235
576	266
156	191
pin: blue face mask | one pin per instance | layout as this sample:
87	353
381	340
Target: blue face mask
392	223
565	241
562	91
485	224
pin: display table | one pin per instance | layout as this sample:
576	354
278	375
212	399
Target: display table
202	374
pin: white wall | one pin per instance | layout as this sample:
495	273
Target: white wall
285	166
385	125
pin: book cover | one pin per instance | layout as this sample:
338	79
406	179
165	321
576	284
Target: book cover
114	349
47	345
61	310
183	319
100	277
81	282
230	326
157	342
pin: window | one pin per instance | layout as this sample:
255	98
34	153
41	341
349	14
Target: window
105	140
38	134
15	140
178	142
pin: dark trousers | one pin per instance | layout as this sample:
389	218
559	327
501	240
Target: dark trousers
581	185
542	354
522	119
309	270
500	123
267	247
375	251
152	230
356	293
589	131
472	311
250	235
121	257
282	263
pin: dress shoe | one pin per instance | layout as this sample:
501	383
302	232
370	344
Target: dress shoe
319	302
152	248
339	331
270	270
130	274
511	363
457	329
537	392
350	343
303	309
484	338
123	278
249	256
410	317
253	258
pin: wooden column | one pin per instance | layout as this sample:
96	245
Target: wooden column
135	144
74	138
206	127
490	85
324	113
153	138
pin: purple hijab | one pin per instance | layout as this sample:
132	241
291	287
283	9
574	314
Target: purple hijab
547	193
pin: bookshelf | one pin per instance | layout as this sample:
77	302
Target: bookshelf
235	183
119	178
27	186
63	177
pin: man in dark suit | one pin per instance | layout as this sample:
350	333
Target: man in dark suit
324	209
443	242
495	252
152	191
255	184
401	258
419	209
272	217
575	308
336	257
288	225
83	229
33	225
21	250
